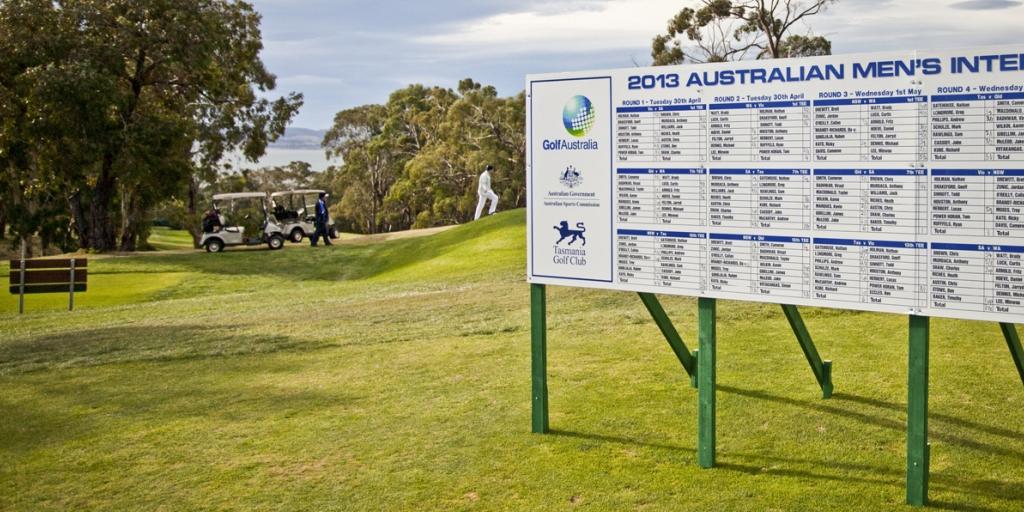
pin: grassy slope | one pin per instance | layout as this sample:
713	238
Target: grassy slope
396	375
166	239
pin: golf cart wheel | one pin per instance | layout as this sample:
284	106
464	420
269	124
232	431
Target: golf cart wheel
214	245
297	235
275	242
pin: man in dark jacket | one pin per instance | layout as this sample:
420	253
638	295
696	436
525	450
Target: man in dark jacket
212	222
322	219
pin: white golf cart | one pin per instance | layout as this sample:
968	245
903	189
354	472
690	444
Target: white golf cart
244	220
295	212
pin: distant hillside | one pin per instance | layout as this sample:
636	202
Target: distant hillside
300	138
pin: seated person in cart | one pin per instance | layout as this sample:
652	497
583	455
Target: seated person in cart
212	221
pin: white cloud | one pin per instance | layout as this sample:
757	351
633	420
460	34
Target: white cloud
853	26
985	4
346	53
616	24
299	80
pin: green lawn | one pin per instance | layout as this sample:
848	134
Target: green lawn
396	376
166	239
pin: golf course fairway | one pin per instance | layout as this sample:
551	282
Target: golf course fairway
395	375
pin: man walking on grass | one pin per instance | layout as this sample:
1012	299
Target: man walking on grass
484	192
321	221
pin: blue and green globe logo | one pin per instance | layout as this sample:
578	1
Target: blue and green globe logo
578	116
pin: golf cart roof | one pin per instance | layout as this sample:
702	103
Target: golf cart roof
239	195
289	192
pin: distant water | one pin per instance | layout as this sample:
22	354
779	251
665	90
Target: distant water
284	156
277	156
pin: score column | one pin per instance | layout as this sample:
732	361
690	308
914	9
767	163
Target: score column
662	259
972	269
977	127
887	129
666	134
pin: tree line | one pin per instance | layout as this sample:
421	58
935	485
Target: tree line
114	113
110	107
414	161
411	162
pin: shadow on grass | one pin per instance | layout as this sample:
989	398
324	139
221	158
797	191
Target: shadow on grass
1012	491
988	429
838	471
103	412
975	487
886	475
123	344
604	438
757	465
881	421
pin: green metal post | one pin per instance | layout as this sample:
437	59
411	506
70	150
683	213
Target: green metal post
917	412
706	383
1013	342
669	331
539	357
822	369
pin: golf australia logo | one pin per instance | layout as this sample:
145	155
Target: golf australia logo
570	177
578	116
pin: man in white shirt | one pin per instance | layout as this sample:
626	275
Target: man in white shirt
484	192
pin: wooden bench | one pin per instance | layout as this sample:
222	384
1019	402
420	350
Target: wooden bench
49	276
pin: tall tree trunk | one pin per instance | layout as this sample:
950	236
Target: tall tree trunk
133	216
192	206
3	224
102	235
81	226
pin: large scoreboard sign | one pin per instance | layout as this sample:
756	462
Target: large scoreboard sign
881	182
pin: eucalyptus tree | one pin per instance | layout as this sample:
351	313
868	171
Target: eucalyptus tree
724	30
414	161
142	101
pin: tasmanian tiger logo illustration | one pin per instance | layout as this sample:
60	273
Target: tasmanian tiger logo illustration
565	232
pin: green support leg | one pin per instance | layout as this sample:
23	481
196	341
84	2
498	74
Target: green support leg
539	357
822	369
706	383
917	413
669	331
1013	342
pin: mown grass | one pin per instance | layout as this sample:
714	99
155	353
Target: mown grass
166	239
396	376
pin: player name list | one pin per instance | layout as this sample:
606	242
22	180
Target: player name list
857	202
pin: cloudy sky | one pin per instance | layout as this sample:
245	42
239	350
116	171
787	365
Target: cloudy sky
343	53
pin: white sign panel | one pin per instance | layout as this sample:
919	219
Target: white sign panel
881	182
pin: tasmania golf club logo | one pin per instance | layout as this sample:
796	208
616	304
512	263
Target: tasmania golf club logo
576	256
578	117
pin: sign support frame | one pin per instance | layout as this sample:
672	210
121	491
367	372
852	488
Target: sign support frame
686	358
822	369
703	377
706	406
538	357
1013	343
918	449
